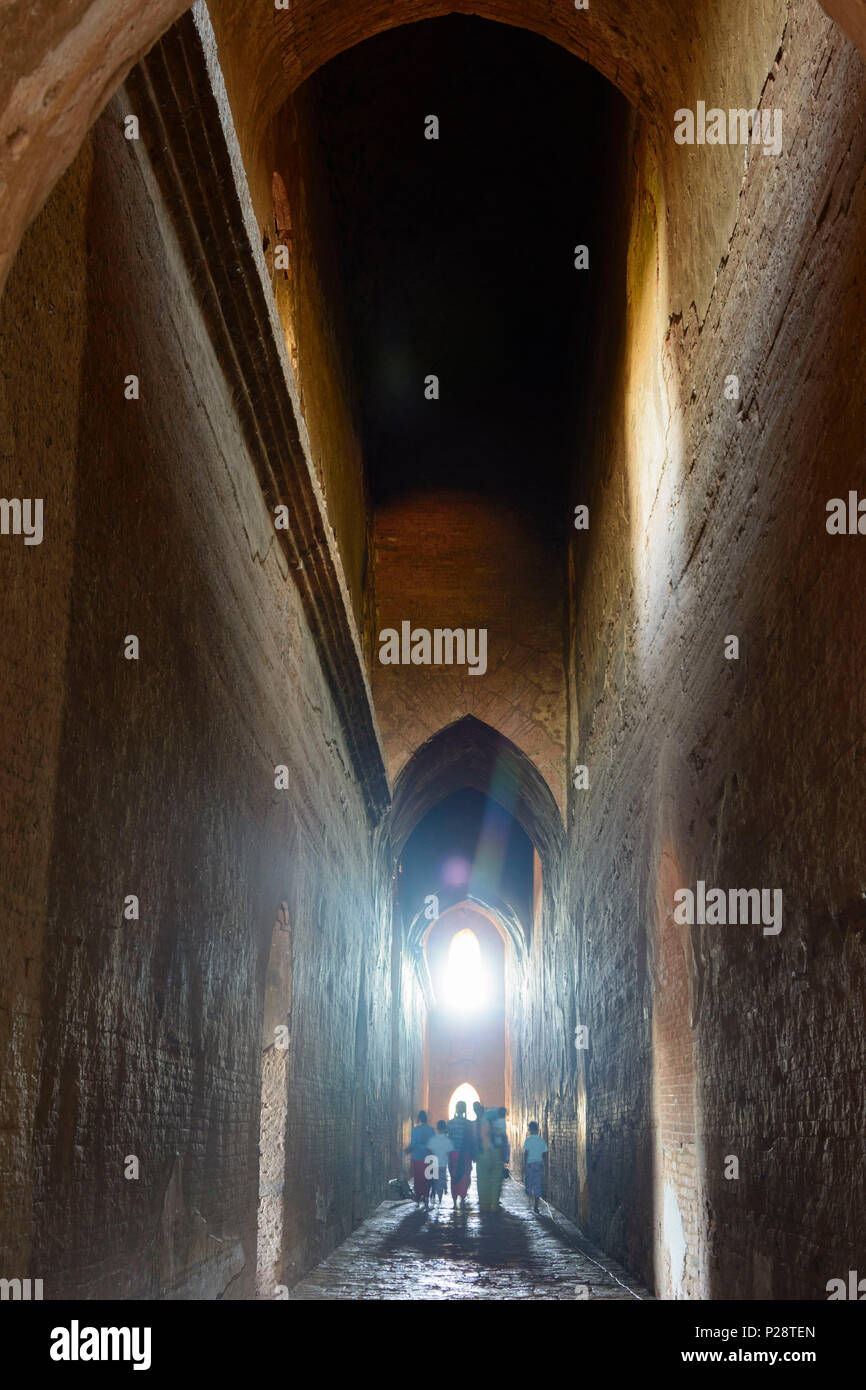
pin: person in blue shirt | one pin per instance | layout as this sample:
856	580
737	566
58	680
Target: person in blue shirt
419	1147
534	1149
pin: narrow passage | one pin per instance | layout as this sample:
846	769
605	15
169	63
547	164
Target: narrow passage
405	1253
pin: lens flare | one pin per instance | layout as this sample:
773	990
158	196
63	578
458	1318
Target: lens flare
456	871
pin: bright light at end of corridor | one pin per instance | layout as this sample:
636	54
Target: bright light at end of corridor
466	982
468	1094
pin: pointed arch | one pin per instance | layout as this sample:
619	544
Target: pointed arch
469	753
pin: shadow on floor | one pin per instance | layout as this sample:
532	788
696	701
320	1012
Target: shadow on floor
496	1239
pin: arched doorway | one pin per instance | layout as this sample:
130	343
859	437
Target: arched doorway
465	1092
472	824
465	955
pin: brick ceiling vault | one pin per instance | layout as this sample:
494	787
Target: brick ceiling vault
58	70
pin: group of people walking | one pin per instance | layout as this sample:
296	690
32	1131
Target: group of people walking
455	1144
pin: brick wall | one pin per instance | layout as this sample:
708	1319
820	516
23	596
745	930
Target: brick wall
156	778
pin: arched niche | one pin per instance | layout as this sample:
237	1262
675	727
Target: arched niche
503	916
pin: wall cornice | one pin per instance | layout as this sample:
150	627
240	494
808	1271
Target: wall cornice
187	127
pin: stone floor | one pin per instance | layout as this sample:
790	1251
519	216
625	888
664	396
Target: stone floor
404	1253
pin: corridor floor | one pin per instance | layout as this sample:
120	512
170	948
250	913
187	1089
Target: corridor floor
405	1253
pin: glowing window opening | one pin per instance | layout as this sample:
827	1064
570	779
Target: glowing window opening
464	1092
467	986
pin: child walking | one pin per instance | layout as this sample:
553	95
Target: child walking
440	1148
534	1148
418	1147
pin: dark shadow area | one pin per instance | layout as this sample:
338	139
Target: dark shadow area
457	253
